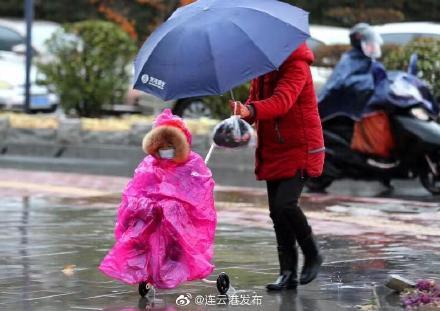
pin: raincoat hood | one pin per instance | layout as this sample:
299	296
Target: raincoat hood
166	118
349	87
168	130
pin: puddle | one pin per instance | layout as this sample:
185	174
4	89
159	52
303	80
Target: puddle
51	250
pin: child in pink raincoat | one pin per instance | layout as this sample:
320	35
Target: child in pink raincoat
166	221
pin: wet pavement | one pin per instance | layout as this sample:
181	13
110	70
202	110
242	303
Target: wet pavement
52	240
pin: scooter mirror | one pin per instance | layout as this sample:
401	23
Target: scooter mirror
412	66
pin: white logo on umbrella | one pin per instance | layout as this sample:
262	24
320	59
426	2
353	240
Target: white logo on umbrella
153	81
145	78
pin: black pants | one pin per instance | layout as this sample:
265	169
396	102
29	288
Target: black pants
289	221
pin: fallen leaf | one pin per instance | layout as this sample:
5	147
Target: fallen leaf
366	307
69	270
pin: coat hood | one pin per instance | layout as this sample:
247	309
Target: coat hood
167	118
162	137
304	53
168	129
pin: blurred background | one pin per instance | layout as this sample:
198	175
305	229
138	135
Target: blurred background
81	100
76	45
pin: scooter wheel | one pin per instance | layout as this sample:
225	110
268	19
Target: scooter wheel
223	283
144	288
430	181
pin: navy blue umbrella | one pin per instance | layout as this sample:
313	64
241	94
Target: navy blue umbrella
211	46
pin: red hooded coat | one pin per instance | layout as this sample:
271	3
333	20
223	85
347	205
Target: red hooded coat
287	120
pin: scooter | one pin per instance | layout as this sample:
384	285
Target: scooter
413	114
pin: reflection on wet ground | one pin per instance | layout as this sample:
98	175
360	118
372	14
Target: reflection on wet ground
50	250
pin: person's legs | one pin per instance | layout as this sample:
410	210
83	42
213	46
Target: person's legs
286	204
287	252
288	212
284	233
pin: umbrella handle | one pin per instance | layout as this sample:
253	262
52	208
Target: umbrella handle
235	102
208	156
211	149
232	95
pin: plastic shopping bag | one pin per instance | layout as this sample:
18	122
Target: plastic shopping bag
234	132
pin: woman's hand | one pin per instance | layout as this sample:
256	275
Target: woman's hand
237	108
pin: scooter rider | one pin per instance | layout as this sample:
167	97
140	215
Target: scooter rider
351	83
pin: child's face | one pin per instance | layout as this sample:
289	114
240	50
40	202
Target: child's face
167	151
167	145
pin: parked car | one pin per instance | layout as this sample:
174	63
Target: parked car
10	38
12	89
12	64
13	39
196	107
13	35
403	33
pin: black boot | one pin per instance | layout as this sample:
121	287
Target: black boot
288	279
312	260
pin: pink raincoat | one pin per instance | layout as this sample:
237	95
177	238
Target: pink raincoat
166	222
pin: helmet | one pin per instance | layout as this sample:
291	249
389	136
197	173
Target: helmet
365	38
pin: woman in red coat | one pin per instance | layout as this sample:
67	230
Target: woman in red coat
283	106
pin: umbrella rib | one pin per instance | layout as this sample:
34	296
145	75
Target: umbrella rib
254	44
144	59
213	61
272	15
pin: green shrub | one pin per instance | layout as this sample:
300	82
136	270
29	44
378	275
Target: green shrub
428	65
350	15
329	55
88	66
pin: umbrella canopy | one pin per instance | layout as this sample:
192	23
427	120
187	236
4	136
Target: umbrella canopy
211	46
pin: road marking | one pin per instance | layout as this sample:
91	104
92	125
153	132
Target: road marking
50	188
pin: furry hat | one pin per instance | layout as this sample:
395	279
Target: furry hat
168	130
